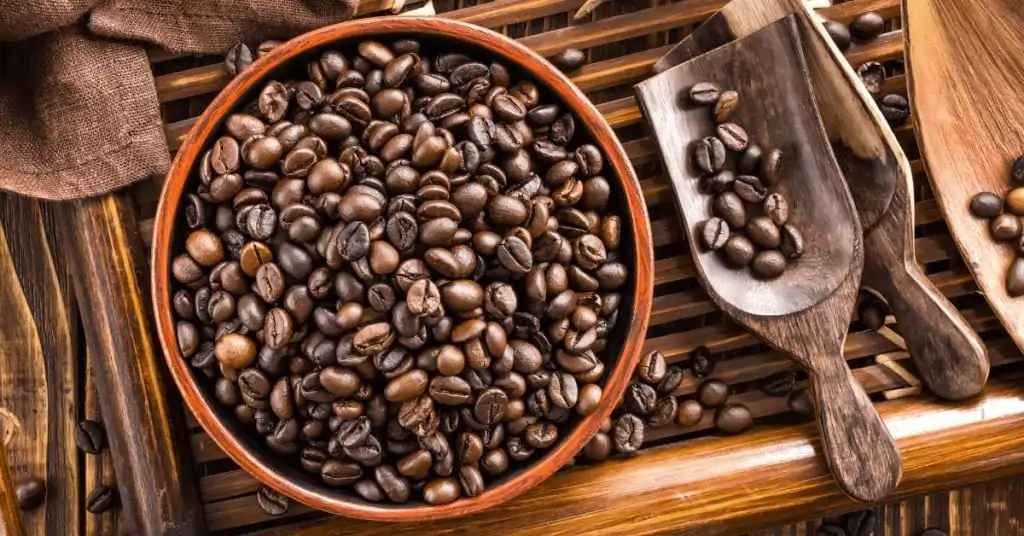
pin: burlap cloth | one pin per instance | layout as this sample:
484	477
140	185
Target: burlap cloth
78	108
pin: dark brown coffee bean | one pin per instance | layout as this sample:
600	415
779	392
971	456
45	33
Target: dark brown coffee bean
714	233
777	209
1017	171
277	329
895	109
690	413
734	418
709	155
739	251
1015	278
272	502
30	493
515	255
778	384
569	59
986	205
237	59
424	299
771	168
471	481
713	393
839	33
792	241
90	437
704	94
769	264
652	368
665	412
763	232
750	189
867	26
729	207
733	136
373	338
336	473
1005	228
640	398
100	500
628	434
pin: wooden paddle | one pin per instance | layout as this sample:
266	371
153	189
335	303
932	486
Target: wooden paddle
806	311
965	77
949	355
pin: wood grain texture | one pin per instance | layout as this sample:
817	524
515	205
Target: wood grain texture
948	354
768	476
965	64
38	367
285	479
806	311
10	515
99	469
103	249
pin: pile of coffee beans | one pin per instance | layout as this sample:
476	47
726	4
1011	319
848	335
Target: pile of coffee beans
401	270
1005	216
751	224
864	28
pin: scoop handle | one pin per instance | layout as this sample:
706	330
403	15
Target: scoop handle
950	357
858	448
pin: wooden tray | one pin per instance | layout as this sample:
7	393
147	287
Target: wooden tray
770	475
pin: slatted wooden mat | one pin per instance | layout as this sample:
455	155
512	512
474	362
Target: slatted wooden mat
623	39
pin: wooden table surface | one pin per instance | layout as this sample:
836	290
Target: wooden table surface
53	336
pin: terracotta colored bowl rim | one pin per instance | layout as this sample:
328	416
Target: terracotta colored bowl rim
512	52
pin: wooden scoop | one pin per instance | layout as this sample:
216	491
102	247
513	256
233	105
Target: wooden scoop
965	76
806	311
949	355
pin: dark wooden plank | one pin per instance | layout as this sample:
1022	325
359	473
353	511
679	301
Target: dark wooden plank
38	367
104	251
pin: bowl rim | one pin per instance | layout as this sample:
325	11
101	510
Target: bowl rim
226	102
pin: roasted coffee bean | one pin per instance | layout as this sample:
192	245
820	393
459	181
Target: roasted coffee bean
763	233
792	241
1005	227
709	155
640	398
704	94
777	209
750	189
1015	278
90	437
690	413
739	251
895	109
628	434
1015	201
779	384
713	393
771	168
717	183
569	59
100	500
665	412
729	207
867	26
727	103
272	502
732	136
769	264
30	493
237	59
652	368
734	418
872	75
839	33
1017	171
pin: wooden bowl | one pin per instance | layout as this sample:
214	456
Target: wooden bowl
241	444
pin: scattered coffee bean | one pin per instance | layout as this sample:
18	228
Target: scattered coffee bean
872	74
769	264
30	493
713	393
90	437
396	250
750	189
867	26
895	109
778	384
729	207
704	94
1005	227
100	500
739	251
1015	278
859	523
237	59
771	168
839	33
569	59
702	362
272	502
734	418
872	312
777	209
732	136
800	402
1017	171
986	205
792	242
690	413
1015	201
